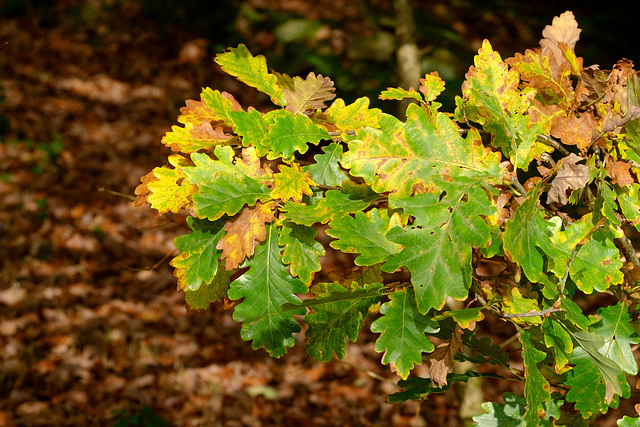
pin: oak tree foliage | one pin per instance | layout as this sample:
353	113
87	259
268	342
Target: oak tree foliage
516	203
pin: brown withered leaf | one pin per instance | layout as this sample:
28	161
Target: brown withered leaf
571	176
441	360
595	81
563	29
244	233
309	94
573	130
620	173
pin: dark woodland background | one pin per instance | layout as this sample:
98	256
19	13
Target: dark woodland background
92	330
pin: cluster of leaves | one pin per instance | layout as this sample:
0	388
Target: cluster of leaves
437	198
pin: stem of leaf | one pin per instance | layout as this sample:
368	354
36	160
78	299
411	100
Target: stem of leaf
552	143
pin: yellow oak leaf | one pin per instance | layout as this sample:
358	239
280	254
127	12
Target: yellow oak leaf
244	233
166	189
292	183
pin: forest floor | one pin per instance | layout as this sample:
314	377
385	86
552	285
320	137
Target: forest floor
92	329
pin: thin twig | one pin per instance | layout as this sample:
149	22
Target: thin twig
117	193
369	373
517	185
628	250
552	143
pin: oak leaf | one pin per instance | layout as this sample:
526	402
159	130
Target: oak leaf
619	173
431	86
309	94
244	233
292	183
573	130
192	137
213	107
563	29
441	360
571	176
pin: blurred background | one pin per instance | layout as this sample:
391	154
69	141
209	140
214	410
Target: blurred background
92	330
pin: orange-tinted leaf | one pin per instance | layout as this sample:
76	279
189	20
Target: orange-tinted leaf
292	183
213	107
573	130
142	190
619	173
191	138
309	94
245	233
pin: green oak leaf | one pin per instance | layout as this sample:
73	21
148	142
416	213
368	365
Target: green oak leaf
301	250
527	237
403	330
512	413
536	386
632	140
266	287
240	63
558	339
192	137
596	265
606	205
226	185
197	263
629	201
326	170
209	293
226	194
290	134
431	86
437	247
489	352
336	203
594	382
331	321
403	157
252	126
629	422
365	234
615	327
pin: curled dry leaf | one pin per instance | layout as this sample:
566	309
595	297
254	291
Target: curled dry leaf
441	360
571	176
